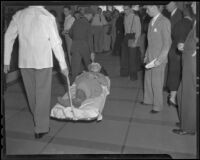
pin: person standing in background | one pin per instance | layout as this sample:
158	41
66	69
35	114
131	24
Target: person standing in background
159	42
107	32
115	15
174	57
119	25
188	92
183	27
129	56
97	24
82	43
38	36
69	20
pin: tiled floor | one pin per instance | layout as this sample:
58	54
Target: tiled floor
127	127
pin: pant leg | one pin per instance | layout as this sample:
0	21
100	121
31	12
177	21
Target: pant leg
98	38
43	99
189	97
133	62
157	86
107	39
148	91
76	65
85	55
124	61
28	76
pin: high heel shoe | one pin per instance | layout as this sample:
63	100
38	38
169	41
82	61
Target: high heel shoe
172	103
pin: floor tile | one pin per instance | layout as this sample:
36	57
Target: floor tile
118	108
15	101
22	122
167	114
10	113
67	149
122	93
23	147
106	131
160	138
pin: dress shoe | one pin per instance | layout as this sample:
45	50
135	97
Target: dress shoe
182	132
40	135
178	124
153	111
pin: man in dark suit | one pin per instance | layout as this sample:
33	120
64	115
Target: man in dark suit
82	43
188	87
174	57
159	42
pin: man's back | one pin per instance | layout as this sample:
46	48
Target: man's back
38	35
80	29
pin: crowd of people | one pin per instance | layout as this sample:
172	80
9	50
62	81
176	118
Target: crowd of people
139	35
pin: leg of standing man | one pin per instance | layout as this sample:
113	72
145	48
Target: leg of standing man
38	87
158	74
124	67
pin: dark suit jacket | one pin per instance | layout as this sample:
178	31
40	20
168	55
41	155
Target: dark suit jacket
81	34
174	19
159	39
181	30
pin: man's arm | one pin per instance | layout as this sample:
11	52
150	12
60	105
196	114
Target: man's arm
9	40
56	43
166	41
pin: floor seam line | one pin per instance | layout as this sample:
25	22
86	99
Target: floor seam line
129	125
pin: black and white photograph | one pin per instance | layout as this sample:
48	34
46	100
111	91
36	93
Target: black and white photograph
100	79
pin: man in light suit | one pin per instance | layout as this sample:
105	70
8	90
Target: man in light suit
159	42
38	36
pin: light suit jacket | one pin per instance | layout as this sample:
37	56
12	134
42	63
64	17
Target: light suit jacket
159	39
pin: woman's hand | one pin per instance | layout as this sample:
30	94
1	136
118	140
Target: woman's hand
180	46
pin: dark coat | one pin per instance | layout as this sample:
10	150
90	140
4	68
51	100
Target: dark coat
187	91
174	57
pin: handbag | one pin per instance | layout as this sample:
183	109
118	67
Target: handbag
131	37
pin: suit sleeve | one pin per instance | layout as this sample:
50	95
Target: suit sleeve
166	40
9	40
56	43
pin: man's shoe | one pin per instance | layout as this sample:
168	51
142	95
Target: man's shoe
40	135
178	124
182	132
153	111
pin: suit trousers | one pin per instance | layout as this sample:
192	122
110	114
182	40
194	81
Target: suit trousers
187	97
153	87
80	58
129	62
98	32
106	39
37	84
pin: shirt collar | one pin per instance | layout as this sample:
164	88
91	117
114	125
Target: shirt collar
156	17
173	12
